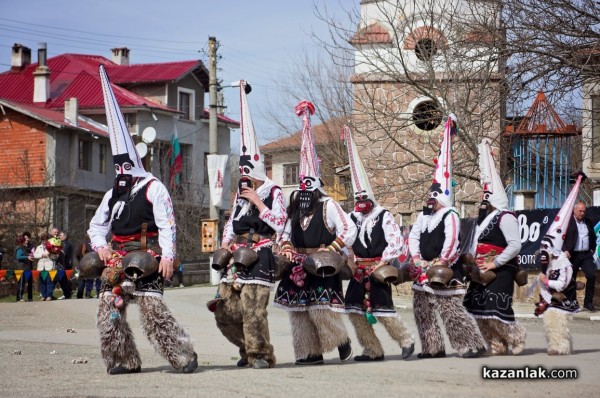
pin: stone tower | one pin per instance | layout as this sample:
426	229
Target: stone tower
414	63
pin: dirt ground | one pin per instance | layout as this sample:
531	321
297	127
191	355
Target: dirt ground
50	349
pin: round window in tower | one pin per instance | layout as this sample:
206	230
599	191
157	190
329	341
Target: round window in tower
425	49
427	116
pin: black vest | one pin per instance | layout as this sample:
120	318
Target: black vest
431	243
316	234
251	220
137	211
376	245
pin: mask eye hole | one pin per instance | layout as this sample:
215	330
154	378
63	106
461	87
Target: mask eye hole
117	168
127	166
434	195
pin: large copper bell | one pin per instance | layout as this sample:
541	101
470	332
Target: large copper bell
385	274
139	264
282	265
220	259
90	266
324	263
482	277
521	277
558	296
346	272
245	257
403	274
439	275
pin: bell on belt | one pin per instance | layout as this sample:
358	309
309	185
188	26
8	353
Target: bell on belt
521	277
139	264
385	274
245	257
282	265
220	259
439	275
90	266
324	263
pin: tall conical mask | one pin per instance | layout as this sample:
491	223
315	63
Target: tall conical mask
251	161
309	177
363	193
441	186
555	236
127	160
493	189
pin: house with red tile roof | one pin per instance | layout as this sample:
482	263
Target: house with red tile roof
55	158
282	160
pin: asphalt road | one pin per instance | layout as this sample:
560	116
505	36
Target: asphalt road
40	341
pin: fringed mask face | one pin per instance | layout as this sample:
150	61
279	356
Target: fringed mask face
123	184
363	204
123	163
309	184
244	182
484	207
246	165
305	198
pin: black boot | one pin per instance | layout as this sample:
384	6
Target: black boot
310	360
345	351
192	365
121	370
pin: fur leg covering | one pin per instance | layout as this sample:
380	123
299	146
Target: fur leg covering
397	330
304	335
254	300
366	336
556	325
462	330
430	335
165	333
491	337
229	317
117	346
330	327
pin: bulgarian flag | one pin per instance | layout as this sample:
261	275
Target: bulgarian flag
176	162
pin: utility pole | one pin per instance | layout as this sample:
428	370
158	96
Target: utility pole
212	113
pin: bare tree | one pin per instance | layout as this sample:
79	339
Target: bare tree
414	63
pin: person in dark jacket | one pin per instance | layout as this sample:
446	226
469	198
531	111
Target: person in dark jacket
579	246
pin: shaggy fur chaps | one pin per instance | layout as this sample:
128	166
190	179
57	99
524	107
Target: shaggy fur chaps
117	345
556	325
367	338
316	331
502	337
242	318
462	330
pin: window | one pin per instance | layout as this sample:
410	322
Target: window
290	174
425	49
427	116
596	129
103	153
85	155
61	213
185	103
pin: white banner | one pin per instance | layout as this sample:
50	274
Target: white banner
216	173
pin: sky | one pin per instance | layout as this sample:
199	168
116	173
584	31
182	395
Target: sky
259	40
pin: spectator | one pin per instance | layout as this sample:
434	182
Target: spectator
45	263
88	284
579	246
23	261
65	261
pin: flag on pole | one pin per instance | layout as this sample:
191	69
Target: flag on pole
176	162
216	172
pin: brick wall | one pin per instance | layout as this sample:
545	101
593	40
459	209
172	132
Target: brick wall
22	151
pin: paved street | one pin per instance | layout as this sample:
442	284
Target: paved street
40	332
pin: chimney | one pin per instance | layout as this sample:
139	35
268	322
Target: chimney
72	111
21	56
41	77
120	55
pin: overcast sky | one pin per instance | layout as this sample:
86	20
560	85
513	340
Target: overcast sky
259	39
